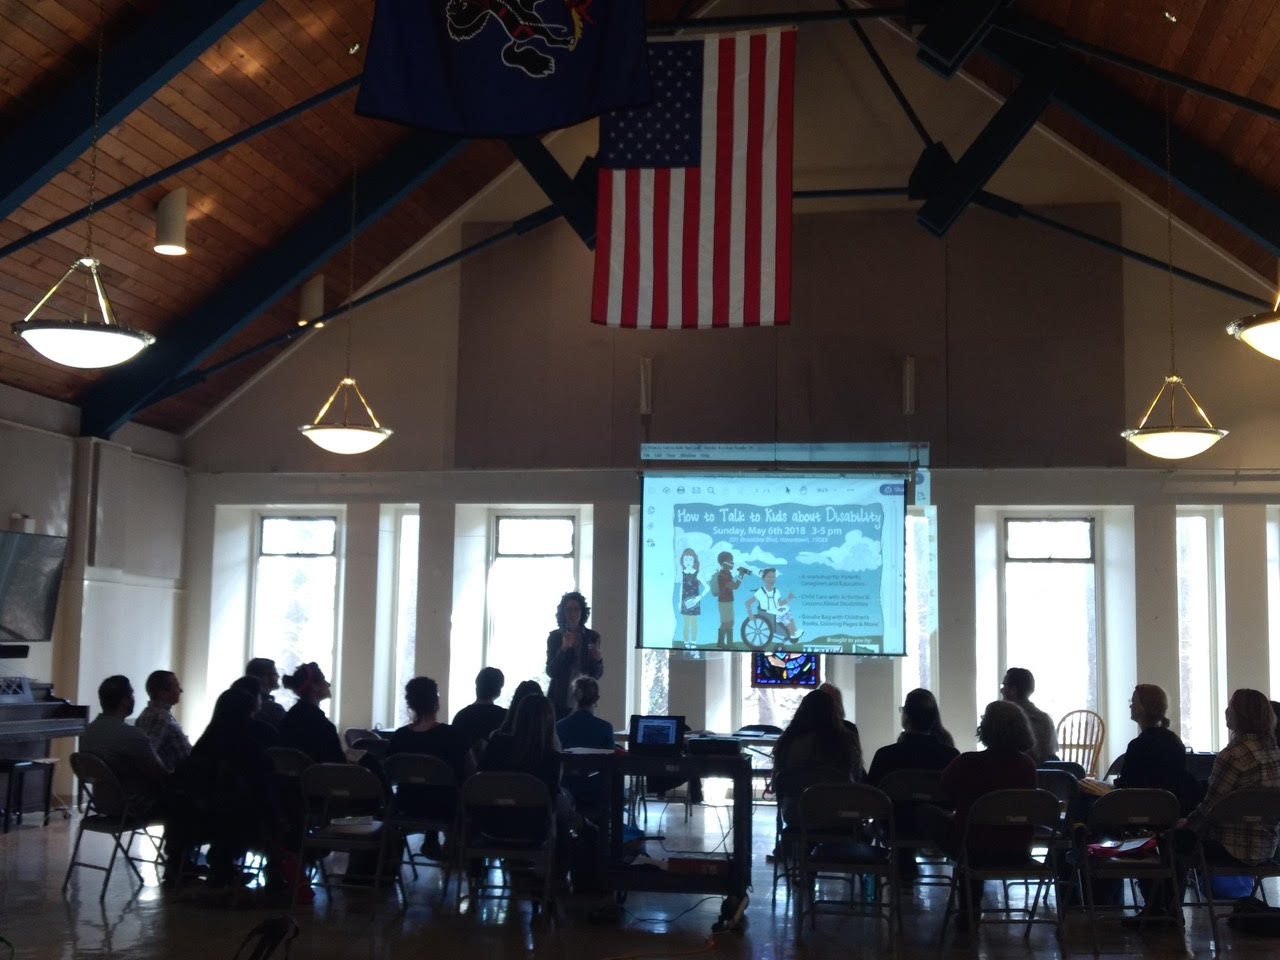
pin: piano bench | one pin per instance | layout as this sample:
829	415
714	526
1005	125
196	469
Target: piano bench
16	780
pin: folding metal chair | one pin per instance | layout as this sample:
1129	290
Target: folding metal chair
329	791
909	790
1255	807
1033	814
1134	814
507	817
847	829
104	793
288	761
374	746
418	772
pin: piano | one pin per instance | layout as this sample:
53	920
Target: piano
30	717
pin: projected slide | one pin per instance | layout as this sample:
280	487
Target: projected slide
773	562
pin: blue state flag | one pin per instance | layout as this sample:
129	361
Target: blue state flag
491	68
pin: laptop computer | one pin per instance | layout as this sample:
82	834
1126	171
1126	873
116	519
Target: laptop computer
653	736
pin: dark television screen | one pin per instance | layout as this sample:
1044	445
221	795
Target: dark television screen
30	576
781	669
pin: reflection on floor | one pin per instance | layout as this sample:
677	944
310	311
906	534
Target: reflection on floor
143	923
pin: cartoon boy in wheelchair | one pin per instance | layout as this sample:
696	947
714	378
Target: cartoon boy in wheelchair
769	614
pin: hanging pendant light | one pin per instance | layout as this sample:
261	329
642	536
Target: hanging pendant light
1260	330
343	436
1172	440
85	343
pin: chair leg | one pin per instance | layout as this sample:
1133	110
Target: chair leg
128	858
951	899
115	848
75	853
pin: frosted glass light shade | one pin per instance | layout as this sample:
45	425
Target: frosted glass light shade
1174	443
1260	331
337	438
1170	441
345	437
85	345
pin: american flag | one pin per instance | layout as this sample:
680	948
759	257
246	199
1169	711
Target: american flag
694	202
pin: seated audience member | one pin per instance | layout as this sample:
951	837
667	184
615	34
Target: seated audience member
476	721
125	749
529	748
831	690
1156	758
1017	687
264	671
1250	759
583	728
305	727
815	748
427	735
225	793
524	688
1275	708
1006	764
261	731
157	722
924	743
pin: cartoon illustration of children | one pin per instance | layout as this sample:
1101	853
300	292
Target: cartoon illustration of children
692	590
723	584
773	606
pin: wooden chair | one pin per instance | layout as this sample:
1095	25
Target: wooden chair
1080	736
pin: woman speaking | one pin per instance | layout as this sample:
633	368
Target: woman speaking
572	651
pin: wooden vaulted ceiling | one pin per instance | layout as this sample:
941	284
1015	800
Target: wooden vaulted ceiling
242	201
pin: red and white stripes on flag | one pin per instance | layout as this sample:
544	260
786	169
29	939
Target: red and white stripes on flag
708	246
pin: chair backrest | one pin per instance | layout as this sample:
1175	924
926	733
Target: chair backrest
352	734
1252	805
1116	768
1060	783
420	770
1080	736
1133	809
1070	766
374	746
842	808
1027	809
915	786
288	761
105	793
341	781
499	800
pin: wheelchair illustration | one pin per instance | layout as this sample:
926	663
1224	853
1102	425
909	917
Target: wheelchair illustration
760	630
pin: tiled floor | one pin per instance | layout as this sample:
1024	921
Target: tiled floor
140	924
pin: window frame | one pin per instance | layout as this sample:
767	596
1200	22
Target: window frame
331	512
1095	560
1214	538
492	555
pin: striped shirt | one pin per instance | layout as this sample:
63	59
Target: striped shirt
1246	762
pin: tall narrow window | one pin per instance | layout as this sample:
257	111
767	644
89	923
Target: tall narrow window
921	600
1049	609
1198	660
531	565
406	606
295	589
654	696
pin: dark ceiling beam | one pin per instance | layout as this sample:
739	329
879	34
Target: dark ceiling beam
887	76
1051	36
112	401
144	60
992	146
1017	211
1213	181
955	32
576	205
124	193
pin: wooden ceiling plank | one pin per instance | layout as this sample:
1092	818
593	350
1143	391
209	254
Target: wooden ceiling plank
133	69
304	54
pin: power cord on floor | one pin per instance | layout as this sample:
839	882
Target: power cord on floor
669	919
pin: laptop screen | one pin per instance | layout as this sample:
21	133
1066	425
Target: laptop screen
656	735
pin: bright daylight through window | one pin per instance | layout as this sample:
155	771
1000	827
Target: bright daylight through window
295	592
1049	610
